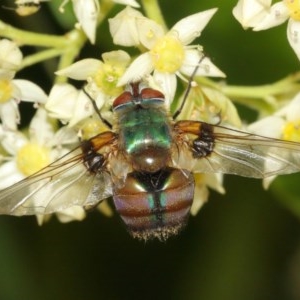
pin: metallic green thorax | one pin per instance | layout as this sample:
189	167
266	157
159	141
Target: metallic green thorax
143	126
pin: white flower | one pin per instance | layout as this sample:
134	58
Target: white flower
10	59
102	78
124	27
87	13
284	125
27	155
261	15
168	53
12	91
211	106
68	104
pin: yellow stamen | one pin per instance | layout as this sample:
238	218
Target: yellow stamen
31	158
5	91
291	131
294	8
167	54
107	78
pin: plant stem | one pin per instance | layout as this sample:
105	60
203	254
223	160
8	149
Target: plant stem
39	57
153	11
23	37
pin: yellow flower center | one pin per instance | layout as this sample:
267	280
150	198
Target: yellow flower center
167	54
294	8
291	131
5	91
31	158
107	78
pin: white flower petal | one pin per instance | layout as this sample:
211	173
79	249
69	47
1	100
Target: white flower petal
267	181
191	27
10	56
269	126
132	3
73	213
9	174
83	109
62	101
64	136
140	67
149	31
291	112
200	196
167	84
250	12
12	141
30	92
215	181
123	27
87	12
81	69
118	58
40	128
9	114
278	14
293	33
206	67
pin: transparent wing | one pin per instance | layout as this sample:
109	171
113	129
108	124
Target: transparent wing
64	183
240	153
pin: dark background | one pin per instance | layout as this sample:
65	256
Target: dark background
244	245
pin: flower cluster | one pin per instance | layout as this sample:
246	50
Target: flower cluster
163	58
166	56
262	15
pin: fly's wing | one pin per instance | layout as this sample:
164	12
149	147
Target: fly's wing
64	183
231	151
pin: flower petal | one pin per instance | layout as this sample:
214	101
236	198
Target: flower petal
206	67
250	12
73	213
269	126
40	128
83	108
291	112
293	34
149	31
132	3
168	84
61	101
191	27
123	27
140	67
9	174
9	114
10	57
200	194
278	14
81	69
87	12
30	92
118	58
12	141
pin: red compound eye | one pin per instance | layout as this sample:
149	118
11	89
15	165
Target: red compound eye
124	98
135	95
148	93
